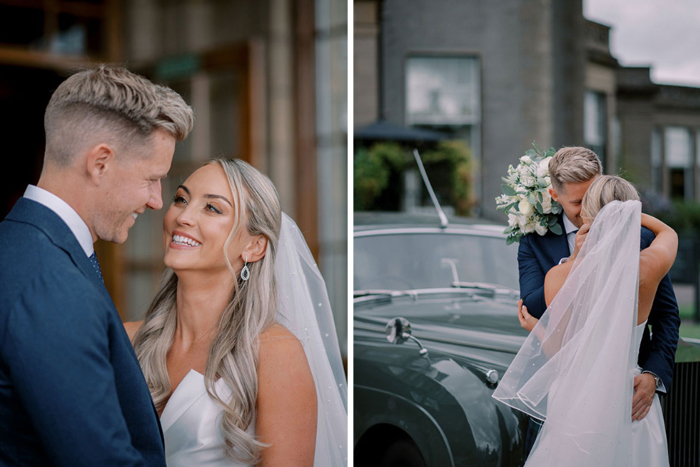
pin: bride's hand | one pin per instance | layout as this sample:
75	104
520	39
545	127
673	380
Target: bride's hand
527	321
580	238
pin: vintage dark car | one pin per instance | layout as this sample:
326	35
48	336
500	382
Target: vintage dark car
448	296
428	401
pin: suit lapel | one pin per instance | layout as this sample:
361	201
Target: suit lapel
557	245
30	212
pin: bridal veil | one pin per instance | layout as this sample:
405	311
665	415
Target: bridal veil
304	309
575	370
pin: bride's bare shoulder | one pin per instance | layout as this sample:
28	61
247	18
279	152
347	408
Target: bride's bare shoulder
132	327
275	332
279	342
279	347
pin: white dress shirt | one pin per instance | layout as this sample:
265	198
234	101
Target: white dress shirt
570	231
75	223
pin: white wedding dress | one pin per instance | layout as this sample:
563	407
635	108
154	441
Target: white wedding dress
576	369
191	423
649	445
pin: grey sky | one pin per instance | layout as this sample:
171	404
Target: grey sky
663	34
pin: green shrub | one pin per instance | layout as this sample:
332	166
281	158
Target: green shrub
371	176
681	216
374	167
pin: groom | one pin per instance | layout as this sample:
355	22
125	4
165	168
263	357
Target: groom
71	389
572	170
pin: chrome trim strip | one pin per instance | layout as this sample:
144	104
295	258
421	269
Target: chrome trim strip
430	230
460	343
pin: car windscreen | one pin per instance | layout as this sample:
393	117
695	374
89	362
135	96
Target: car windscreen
406	261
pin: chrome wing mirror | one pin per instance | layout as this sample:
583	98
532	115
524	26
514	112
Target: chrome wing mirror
398	331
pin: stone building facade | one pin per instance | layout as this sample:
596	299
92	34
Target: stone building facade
500	75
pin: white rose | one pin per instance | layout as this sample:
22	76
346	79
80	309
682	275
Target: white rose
546	202
525	159
522	221
528	180
525	208
542	169
528	228
512	220
541	229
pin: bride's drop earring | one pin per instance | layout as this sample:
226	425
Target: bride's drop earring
245	272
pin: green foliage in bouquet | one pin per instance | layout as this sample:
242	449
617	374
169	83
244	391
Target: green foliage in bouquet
526	199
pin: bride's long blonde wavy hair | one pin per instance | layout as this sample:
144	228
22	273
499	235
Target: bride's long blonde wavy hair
233	355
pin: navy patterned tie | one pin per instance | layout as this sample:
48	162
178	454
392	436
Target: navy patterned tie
96	265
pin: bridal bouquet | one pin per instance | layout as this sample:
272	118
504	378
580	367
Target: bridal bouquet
526	199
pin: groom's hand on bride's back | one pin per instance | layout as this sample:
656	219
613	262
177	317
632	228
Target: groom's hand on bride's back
644	390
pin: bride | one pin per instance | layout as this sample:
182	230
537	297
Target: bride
238	347
575	370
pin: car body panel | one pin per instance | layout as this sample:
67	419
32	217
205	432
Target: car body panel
442	400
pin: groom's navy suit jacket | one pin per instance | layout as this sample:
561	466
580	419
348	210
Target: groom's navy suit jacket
71	389
538	254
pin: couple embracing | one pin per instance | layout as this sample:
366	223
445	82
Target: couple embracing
590	372
236	362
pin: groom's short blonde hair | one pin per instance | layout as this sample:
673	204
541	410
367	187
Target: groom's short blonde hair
573	165
109	104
